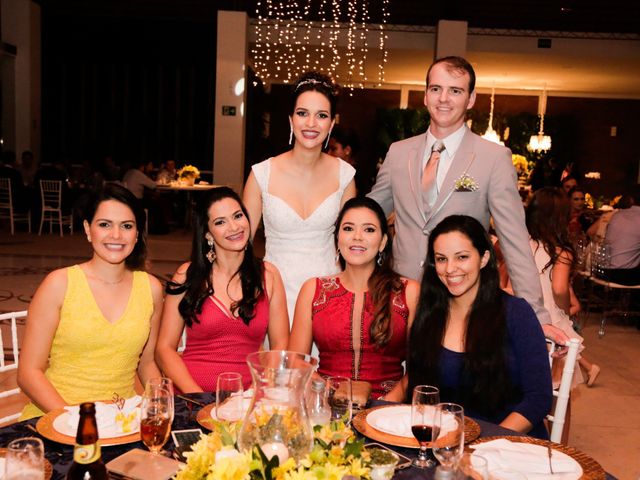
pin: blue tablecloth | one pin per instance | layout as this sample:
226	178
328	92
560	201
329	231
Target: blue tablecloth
61	456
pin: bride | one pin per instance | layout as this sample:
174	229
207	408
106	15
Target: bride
300	192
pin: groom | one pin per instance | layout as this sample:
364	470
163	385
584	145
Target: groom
450	170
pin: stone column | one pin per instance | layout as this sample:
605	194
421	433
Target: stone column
451	39
21	76
230	105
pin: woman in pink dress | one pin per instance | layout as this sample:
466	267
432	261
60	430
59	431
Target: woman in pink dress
359	319
227	299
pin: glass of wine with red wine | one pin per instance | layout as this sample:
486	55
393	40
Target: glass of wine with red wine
155	417
423	410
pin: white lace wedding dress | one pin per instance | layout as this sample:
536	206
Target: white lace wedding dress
301	248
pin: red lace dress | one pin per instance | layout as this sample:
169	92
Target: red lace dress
342	336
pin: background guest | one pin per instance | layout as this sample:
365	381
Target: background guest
227	299
623	240
359	318
92	326
547	215
344	144
300	191
579	223
136	180
483	348
569	182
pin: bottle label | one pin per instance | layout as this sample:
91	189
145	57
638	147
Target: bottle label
85	454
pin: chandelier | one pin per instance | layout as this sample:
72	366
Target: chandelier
491	134
334	37
540	142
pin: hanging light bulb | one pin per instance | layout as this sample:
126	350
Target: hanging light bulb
540	142
491	134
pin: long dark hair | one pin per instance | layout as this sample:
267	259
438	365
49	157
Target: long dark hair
317	82
118	193
198	285
547	217
383	281
485	377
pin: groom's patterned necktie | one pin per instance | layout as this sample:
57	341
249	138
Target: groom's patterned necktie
429	180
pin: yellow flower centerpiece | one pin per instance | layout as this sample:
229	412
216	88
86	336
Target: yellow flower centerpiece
188	174
336	453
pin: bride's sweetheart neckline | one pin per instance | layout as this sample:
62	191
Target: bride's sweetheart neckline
296	212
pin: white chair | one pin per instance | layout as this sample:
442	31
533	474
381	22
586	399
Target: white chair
6	203
12	317
51	195
562	393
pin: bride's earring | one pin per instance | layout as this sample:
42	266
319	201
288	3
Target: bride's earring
337	255
326	142
290	134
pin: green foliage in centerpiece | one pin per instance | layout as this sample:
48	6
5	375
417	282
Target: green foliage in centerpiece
336	453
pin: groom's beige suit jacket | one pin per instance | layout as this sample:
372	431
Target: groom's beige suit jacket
489	166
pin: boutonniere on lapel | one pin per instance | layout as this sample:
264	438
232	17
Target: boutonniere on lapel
466	183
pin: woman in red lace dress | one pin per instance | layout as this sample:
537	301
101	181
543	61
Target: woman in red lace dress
358	319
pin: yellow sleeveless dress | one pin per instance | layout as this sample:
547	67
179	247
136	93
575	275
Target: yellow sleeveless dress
91	358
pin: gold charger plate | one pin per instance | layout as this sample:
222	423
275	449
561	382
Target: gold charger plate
45	428
204	416
48	468
471	430
591	470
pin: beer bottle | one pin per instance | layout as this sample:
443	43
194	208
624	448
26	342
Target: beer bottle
87	459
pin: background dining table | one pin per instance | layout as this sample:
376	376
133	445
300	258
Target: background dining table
61	456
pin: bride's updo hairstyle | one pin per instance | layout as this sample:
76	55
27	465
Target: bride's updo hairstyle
318	82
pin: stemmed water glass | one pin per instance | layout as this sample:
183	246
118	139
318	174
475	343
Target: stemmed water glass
423	410
155	415
24	459
448	434
229	391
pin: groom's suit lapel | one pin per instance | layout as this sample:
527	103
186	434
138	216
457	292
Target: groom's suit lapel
414	165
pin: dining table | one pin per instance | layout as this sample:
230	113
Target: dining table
187	193
61	456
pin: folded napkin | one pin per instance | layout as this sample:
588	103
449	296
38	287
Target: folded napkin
530	460
106	413
397	421
231	406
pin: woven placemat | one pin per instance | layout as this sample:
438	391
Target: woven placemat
471	430
591	470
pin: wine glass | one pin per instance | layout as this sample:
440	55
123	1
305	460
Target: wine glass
155	414
340	398
448	434
24	459
423	410
229	391
166	383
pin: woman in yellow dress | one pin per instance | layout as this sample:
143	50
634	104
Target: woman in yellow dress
91	327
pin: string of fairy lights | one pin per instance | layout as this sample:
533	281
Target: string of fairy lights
330	36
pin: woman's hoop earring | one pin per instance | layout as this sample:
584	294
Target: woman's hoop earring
337	255
211	254
380	259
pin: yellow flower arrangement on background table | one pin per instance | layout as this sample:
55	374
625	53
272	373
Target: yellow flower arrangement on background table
188	174
336	453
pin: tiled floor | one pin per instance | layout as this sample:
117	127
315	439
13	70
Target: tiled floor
605	419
